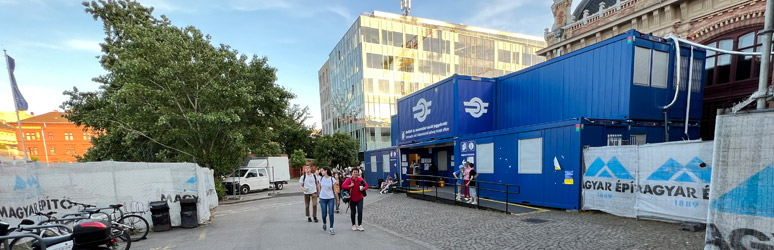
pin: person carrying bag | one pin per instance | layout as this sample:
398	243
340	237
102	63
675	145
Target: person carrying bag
327	193
357	189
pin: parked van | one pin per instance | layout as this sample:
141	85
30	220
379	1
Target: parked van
259	174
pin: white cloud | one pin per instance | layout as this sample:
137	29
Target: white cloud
296	9
91	46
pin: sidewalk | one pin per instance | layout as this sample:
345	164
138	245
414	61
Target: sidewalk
290	189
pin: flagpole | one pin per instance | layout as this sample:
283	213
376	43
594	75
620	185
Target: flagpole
16	105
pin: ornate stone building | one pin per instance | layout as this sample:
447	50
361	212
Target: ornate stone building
727	24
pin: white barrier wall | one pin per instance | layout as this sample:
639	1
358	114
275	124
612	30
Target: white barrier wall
665	181
741	210
29	187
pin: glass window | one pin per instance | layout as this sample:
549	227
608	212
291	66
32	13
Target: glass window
385	135
516	57
504	56
530	156
660	69
411	41
385	162
384	86
387	63
526	59
397	39
53	151
641	66
406	64
370	35
50	136
261	172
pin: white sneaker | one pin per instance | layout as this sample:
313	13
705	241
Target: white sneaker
354	228
360	228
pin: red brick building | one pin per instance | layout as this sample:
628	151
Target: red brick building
52	138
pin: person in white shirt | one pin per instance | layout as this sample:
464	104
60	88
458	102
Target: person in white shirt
328	196
309	185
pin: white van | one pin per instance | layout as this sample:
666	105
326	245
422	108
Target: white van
259	174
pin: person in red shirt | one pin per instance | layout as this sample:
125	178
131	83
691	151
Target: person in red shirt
356	187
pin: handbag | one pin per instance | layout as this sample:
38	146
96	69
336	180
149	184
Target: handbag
362	184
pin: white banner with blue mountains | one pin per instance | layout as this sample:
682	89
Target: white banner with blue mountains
741	209
665	181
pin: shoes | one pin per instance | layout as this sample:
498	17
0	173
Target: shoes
360	228
315	220
332	232
466	200
325	227
354	228
308	219
458	199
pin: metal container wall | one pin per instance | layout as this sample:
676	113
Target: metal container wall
595	82
377	157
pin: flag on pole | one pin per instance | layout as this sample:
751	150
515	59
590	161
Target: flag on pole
21	104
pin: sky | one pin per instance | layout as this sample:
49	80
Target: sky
55	43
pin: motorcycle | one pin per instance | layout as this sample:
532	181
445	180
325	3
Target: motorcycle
87	234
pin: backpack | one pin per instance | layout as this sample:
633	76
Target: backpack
364	191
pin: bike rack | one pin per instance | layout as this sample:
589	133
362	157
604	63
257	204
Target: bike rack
5	239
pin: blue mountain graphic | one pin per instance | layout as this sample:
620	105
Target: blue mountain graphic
595	167
752	197
616	170
671	167
20	184
192	180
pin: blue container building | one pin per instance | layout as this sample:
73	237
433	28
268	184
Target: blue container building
529	127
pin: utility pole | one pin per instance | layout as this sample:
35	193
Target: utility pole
763	80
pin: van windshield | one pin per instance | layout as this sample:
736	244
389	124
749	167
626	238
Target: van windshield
240	173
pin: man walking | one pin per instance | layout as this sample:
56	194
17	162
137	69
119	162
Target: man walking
309	185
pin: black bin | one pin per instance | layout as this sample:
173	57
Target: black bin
379	183
160	216
189	215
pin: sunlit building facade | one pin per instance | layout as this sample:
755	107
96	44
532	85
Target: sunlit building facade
385	56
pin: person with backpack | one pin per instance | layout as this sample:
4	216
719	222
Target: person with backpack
357	190
328	197
339	180
309	185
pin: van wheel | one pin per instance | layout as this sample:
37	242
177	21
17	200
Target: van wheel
244	189
278	186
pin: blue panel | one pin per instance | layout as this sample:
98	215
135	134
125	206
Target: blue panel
394	130
475	106
425	114
592	82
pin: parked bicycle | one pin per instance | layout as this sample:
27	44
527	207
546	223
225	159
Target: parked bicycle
85	234
134	223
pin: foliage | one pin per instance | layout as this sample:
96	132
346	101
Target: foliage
170	95
219	188
337	149
293	134
298	159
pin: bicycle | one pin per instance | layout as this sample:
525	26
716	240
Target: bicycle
136	225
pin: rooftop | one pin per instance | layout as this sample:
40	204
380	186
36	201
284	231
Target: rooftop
50	117
419	20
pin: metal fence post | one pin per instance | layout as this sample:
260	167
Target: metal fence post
506	197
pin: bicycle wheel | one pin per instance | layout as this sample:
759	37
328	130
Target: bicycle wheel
121	243
136	225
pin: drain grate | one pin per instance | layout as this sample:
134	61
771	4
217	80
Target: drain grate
534	221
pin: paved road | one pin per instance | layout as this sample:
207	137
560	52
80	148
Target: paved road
276	223
394	221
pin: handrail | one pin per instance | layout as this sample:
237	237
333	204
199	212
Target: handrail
437	179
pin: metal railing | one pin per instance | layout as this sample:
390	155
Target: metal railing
423	180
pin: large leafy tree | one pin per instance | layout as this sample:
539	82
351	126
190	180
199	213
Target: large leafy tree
334	150
171	95
293	134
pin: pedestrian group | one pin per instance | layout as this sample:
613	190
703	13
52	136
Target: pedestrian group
331	189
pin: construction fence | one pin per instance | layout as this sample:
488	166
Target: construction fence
26	188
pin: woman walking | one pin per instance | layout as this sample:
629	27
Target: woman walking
357	188
328	196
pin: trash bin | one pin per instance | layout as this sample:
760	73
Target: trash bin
379	183
189	215
160	216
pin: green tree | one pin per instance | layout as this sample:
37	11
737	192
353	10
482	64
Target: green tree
171	95
293	134
337	149
298	159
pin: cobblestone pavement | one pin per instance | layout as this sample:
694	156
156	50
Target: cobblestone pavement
444	226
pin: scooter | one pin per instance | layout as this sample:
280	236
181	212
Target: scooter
86	234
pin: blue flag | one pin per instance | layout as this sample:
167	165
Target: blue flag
21	104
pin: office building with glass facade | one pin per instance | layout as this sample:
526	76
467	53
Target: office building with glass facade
385	56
